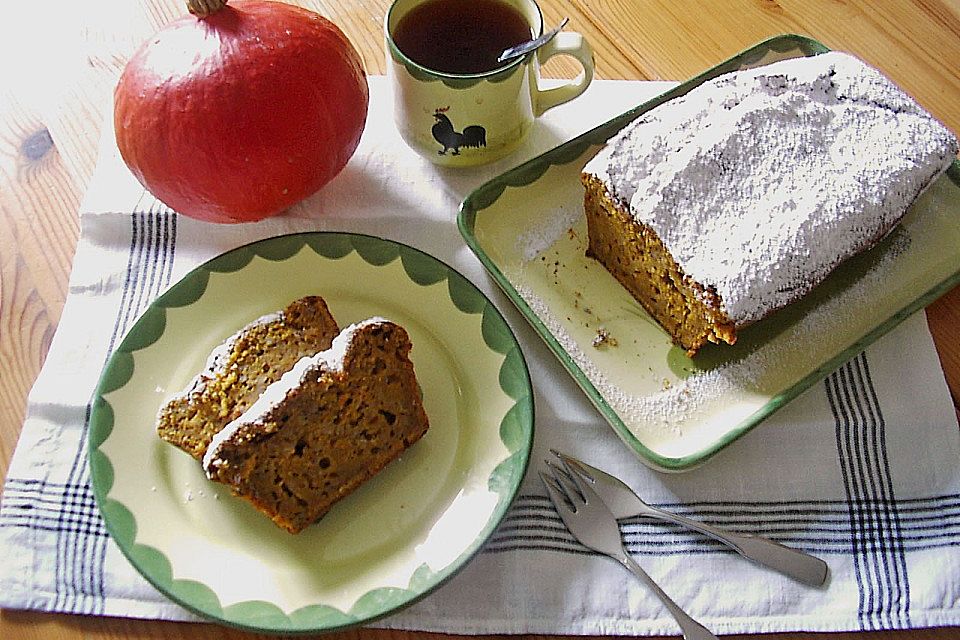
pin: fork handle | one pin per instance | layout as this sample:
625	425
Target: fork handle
797	564
787	560
692	630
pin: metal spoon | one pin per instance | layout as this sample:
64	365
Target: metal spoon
530	45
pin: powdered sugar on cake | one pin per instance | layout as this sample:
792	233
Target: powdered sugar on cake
761	182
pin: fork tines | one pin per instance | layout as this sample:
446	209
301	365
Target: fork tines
563	482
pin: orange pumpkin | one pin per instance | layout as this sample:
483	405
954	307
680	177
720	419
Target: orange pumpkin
239	111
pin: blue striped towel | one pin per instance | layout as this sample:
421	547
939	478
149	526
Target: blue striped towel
862	470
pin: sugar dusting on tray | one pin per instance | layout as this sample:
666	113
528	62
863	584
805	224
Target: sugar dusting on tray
677	402
536	240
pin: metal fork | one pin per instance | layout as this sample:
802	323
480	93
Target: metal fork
592	523
623	502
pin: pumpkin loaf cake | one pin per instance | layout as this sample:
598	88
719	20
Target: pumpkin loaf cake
721	206
241	368
328	425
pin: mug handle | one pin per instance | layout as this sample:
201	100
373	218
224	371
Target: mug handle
565	43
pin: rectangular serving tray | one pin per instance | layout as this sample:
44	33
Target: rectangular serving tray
528	229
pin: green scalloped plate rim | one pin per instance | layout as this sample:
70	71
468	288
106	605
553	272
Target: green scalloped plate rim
515	431
531	170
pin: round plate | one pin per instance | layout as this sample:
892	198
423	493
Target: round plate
389	543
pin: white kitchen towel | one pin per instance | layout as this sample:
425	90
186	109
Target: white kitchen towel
862	470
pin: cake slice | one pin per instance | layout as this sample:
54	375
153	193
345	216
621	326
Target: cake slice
328	425
724	205
241	368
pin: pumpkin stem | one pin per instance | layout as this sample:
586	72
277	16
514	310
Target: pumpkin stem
204	8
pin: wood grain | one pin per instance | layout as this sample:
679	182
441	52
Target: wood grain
60	64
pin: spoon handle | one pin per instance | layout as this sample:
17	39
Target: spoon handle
525	47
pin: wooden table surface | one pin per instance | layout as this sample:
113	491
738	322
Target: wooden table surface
60	61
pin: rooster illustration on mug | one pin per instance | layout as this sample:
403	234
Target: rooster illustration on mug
451	139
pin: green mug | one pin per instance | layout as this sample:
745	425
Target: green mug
467	119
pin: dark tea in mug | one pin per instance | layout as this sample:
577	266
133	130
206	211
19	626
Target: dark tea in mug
460	37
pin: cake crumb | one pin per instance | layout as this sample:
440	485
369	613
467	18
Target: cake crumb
603	339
